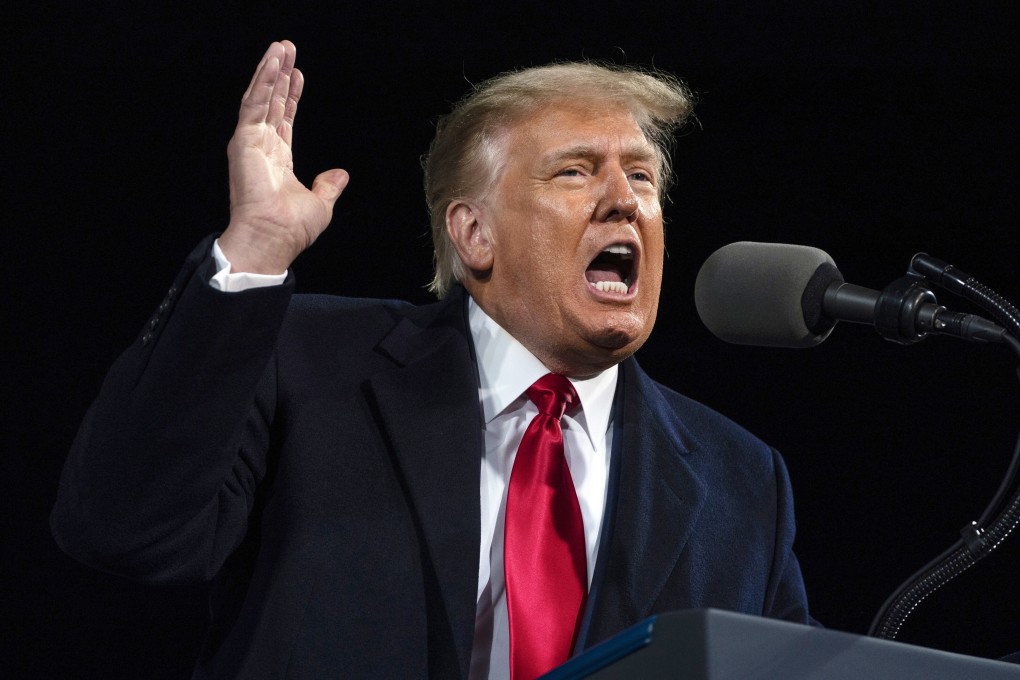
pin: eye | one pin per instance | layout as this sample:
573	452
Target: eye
569	172
641	176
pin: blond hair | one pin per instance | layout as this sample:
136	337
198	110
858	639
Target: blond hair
463	159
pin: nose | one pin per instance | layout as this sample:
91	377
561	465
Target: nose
618	201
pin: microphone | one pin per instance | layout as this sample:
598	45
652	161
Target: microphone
780	295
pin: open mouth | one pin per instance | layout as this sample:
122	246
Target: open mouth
612	270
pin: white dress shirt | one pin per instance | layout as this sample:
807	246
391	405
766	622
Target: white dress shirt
506	369
235	282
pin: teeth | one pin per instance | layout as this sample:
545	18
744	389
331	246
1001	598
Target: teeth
611	286
620	249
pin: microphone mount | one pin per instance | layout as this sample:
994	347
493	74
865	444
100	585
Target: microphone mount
1002	515
906	311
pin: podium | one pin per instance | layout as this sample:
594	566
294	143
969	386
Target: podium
709	644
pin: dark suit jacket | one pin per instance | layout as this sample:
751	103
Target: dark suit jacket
317	458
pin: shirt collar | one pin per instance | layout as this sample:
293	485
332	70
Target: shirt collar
506	369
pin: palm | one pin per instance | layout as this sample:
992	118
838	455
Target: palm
264	188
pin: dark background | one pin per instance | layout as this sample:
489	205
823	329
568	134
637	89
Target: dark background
872	130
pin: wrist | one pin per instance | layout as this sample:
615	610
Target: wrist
253	252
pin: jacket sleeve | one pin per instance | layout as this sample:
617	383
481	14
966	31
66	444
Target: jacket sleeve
786	597
161	478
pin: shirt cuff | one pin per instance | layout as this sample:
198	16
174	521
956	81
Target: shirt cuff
235	282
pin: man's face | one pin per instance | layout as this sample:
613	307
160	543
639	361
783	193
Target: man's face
575	227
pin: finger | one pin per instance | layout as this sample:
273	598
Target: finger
255	104
290	50
274	50
329	185
281	88
297	84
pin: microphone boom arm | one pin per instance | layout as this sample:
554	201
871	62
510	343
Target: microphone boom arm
976	541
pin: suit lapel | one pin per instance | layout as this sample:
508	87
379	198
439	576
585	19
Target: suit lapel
658	500
428	407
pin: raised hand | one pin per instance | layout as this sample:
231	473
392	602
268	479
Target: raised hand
273	217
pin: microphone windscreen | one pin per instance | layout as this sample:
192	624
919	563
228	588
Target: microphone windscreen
751	293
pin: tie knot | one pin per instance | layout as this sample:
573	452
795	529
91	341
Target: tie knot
552	394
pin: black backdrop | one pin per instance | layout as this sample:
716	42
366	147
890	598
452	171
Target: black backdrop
871	130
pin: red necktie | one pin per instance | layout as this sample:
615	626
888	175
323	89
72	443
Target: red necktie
543	553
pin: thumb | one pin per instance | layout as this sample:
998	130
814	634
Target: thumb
330	184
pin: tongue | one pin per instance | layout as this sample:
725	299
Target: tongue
596	273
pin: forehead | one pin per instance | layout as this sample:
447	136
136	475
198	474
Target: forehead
583	127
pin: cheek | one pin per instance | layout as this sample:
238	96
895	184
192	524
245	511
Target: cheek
653	240
559	210
655	253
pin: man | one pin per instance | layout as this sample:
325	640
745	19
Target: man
348	472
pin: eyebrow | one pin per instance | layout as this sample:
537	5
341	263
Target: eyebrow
644	152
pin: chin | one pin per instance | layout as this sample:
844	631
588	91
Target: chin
614	340
610	346
620	332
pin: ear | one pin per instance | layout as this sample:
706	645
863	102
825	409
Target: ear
469	232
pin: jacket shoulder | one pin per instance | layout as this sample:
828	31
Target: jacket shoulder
707	426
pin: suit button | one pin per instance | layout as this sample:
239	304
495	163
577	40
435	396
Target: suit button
153	322
147	338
